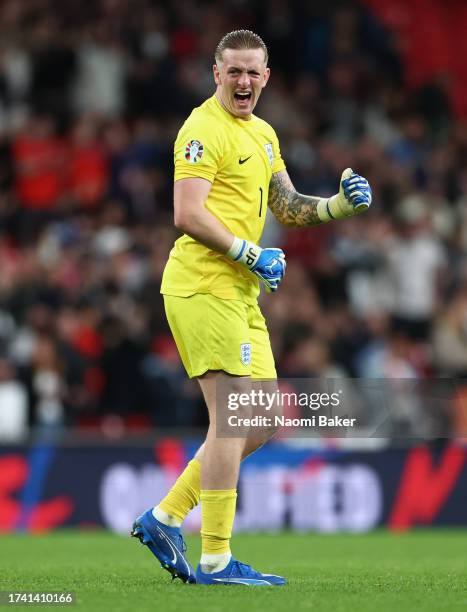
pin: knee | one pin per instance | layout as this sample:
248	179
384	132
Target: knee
262	435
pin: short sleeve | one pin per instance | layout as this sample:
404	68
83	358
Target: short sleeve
278	163
198	150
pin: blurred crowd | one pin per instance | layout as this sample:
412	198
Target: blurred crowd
91	98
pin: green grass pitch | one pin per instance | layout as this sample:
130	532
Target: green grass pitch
377	572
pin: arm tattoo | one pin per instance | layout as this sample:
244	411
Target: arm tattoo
290	207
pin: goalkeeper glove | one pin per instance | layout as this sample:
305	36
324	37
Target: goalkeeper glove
268	264
354	197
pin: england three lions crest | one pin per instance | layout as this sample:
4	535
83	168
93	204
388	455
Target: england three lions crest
245	353
269	152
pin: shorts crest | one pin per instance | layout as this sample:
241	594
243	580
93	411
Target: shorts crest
245	353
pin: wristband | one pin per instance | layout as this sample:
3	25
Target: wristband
244	252
324	210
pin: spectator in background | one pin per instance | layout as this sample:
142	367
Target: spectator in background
102	66
88	172
415	258
14	417
307	355
39	157
393	365
47	380
450	337
15	82
53	61
167	386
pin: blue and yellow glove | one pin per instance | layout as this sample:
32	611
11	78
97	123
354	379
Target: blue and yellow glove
354	197
268	264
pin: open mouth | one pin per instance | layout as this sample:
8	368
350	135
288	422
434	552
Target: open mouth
242	96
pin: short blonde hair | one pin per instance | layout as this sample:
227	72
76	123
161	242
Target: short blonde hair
240	39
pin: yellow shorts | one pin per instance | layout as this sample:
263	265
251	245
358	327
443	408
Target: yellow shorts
216	334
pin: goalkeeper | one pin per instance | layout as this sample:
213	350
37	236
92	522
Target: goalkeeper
228	170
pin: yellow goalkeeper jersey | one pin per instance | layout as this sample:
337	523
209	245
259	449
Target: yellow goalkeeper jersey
238	157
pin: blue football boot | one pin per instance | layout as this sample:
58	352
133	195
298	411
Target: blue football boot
166	544
239	573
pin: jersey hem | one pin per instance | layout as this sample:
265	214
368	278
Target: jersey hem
189	293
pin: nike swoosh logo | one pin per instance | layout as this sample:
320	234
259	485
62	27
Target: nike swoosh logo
242	161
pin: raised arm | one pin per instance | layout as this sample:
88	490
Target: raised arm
288	206
294	209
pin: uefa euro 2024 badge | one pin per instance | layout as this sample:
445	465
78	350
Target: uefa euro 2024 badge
194	151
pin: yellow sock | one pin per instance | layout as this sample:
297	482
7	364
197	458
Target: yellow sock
217	517
184	495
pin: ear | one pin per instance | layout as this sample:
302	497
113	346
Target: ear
217	75
266	75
